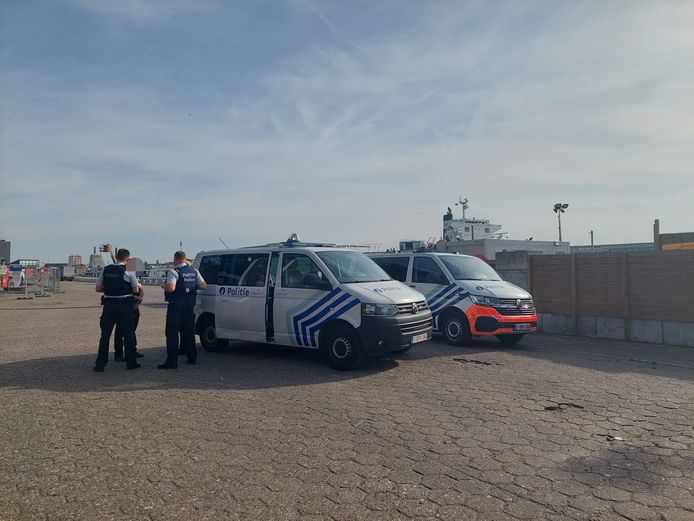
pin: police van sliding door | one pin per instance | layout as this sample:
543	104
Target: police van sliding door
240	303
301	298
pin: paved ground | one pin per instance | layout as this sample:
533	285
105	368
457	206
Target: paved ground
556	428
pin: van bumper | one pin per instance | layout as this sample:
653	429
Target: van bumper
486	321
385	334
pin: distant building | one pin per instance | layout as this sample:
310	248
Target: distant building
135	264
672	241
614	248
59	265
28	263
98	262
74	260
5	251
488	248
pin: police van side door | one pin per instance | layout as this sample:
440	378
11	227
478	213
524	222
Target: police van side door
240	302
429	279
302	297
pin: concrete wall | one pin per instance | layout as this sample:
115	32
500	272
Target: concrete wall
513	266
650	331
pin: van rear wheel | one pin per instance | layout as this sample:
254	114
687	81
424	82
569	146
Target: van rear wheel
208	335
342	348
510	339
456	329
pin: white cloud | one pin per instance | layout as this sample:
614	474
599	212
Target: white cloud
591	104
146	10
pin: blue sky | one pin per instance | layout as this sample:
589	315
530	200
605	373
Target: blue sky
145	123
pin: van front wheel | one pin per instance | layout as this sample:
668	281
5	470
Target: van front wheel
456	329
208	335
342	348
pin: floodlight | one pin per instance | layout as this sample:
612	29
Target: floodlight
564	206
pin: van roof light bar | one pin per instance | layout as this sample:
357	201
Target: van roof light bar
294	242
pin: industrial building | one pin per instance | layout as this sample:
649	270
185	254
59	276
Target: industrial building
5	251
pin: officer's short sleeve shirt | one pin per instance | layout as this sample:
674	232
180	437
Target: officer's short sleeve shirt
172	275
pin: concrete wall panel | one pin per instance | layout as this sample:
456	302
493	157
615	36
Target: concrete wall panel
587	326
678	334
650	331
610	328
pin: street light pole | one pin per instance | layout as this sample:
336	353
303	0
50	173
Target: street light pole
559	209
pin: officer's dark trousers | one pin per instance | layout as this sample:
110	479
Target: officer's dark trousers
117	311
180	319
118	339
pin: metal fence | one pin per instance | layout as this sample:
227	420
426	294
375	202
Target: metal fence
33	282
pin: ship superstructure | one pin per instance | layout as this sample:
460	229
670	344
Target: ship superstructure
468	229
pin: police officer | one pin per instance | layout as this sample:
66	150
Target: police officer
119	288
182	284
118	337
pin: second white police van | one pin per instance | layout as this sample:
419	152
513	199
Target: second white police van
466	296
309	295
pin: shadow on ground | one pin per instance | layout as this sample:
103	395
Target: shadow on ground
628	467
241	366
608	356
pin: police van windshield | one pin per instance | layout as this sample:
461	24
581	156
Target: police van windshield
469	268
352	266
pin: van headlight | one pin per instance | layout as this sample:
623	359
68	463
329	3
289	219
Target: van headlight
387	310
481	300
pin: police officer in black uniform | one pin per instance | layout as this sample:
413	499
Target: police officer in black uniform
119	288
182	284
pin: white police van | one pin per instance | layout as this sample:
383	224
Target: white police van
310	295
465	295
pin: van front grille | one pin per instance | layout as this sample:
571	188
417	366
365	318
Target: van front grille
408	309
512	306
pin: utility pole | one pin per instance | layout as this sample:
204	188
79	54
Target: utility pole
592	245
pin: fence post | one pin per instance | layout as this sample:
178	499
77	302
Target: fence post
625	296
574	296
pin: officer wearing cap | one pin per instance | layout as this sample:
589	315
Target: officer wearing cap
180	290
119	288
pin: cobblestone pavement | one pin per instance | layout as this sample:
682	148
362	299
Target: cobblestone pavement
556	428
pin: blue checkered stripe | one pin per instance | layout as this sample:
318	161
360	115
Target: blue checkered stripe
309	321
447	297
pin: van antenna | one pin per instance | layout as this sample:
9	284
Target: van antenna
224	243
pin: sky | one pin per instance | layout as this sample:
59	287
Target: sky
146	123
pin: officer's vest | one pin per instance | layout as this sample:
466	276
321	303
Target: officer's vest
186	285
114	283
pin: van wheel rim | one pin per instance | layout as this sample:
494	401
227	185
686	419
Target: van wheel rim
341	348
210	335
453	329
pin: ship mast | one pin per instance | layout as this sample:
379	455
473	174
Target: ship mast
463	204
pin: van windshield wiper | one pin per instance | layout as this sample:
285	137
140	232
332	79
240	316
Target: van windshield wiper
488	280
364	281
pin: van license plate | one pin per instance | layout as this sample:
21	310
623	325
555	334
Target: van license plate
521	327
420	338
